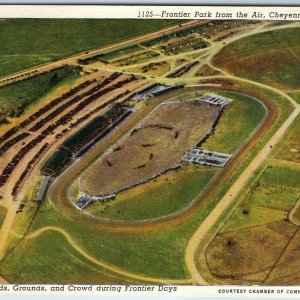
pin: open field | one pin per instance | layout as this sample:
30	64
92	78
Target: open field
253	238
238	121
51	39
233	255
296	96
153	147
286	270
269	199
206	70
161	197
289	149
276	52
43	254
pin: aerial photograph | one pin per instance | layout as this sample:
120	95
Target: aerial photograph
150	151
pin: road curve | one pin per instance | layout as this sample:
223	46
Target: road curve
103	264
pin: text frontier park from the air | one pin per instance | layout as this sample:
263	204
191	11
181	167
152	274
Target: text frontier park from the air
149	151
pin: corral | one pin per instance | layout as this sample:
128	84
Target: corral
152	148
209	158
215	99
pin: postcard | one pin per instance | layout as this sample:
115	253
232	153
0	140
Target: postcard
150	150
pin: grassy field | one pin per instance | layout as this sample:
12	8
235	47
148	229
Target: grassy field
24	269
283	274
27	43
295	96
145	254
16	98
167	194
206	70
289	148
275	52
268	200
237	122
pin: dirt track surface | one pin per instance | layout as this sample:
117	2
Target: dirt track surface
58	191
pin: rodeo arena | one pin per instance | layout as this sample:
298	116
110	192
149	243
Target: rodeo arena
195	155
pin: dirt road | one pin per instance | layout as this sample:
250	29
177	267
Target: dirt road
103	264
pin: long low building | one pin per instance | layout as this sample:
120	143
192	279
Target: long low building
43	188
154	90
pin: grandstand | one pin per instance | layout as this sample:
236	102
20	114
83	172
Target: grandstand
154	90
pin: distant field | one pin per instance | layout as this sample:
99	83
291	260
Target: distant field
251	252
27	43
271	57
166	195
15	98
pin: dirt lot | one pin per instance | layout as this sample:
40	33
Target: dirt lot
156	145
248	252
60	133
287	269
